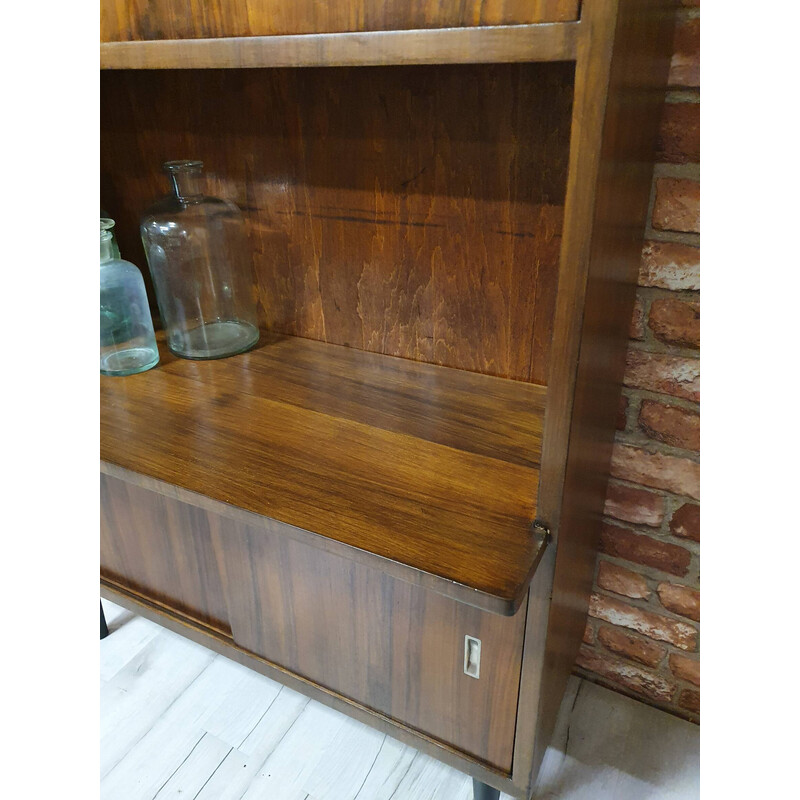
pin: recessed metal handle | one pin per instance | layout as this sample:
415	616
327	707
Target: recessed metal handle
472	657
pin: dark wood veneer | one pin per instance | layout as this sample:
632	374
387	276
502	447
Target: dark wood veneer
409	211
384	643
161	549
483	217
433	468
392	646
625	59
121	20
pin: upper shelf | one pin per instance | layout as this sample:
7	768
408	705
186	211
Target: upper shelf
488	44
430	473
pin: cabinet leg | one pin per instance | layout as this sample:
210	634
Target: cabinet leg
103	626
481	791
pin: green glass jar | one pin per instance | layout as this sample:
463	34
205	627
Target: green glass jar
107	224
127	340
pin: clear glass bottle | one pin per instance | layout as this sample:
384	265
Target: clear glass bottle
127	342
198	255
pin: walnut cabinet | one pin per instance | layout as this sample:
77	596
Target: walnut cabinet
391	504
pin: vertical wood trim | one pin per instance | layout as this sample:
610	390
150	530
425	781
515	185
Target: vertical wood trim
532	671
595	45
623	58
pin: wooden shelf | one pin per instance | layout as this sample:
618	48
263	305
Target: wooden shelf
428	473
489	44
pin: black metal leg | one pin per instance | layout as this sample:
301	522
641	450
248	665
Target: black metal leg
103	626
483	792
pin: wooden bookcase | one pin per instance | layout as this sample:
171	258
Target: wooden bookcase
445	204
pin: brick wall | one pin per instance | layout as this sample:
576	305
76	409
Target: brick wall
643	633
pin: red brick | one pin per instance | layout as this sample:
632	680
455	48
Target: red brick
690	700
622	413
679	599
687	669
679	135
630	646
670	265
634	505
658	372
637	320
633	678
588	634
645	550
672	425
684	69
671	473
622	581
654	626
675	322
677	205
685	522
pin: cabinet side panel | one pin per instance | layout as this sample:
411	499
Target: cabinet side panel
126	20
389	645
161	549
619	180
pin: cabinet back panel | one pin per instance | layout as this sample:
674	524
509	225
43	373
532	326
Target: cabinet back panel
123	20
410	211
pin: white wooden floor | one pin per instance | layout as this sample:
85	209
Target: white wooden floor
178	721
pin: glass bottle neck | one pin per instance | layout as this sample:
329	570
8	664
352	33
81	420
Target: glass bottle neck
186	183
106	250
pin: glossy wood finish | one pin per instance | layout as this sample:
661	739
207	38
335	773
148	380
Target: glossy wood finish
620	70
621	76
389	645
410	211
426	467
122	20
162	549
383	643
495	45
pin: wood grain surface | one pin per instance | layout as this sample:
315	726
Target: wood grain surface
410	211
555	41
620	86
123	20
430	467
413	211
162	549
386	644
389	645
